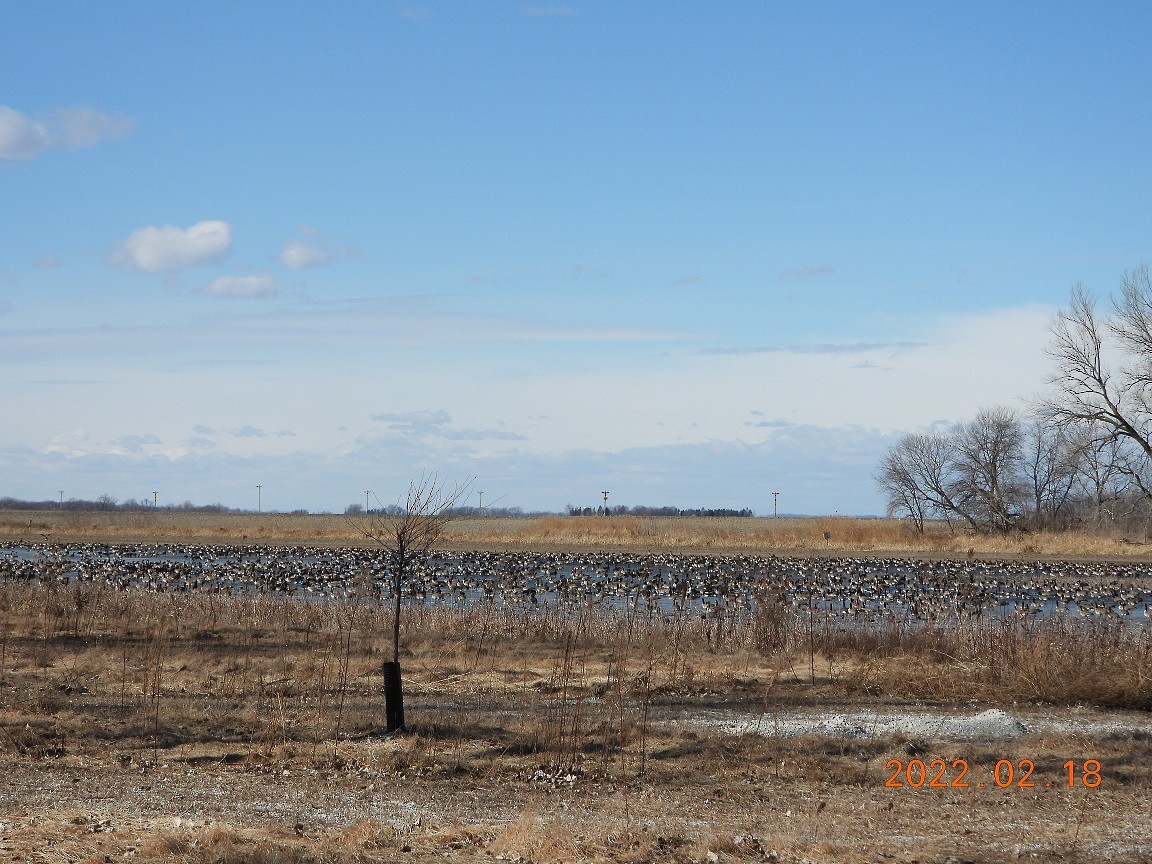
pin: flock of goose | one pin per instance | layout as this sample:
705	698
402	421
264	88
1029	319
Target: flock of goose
860	589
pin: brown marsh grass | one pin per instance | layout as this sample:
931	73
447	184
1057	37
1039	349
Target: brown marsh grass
833	535
271	671
174	727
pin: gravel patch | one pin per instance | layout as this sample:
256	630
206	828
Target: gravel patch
993	724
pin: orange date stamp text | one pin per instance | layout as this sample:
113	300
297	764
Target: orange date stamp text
1006	774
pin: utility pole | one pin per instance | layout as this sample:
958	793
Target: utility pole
61	499
367	492
481	494
258	501
775	495
605	494
154	500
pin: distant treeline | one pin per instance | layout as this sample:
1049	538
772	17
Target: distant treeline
451	512
641	510
108	503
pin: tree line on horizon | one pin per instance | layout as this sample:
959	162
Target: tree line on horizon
108	503
641	510
1079	456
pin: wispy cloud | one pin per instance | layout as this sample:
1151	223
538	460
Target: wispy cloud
78	126
802	273
431	423
69	382
342	325
299	254
138	443
47	261
167	249
241	286
415	420
22	137
822	348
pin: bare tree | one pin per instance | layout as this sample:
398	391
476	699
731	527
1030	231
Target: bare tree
973	474
988	468
1052	460
1090	391
408	532
1105	473
919	478
896	478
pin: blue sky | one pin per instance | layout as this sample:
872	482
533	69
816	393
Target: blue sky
691	253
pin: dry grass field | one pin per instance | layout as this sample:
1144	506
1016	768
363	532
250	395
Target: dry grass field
208	728
754	535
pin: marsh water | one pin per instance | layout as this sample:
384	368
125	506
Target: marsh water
852	589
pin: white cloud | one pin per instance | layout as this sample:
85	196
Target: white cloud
77	127
47	261
299	255
168	249
22	137
241	286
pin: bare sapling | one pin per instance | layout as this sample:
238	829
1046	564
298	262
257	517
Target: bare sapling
409	534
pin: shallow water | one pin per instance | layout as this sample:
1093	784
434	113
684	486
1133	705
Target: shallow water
832	591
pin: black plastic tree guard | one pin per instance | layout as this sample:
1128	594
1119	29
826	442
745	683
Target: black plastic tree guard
393	697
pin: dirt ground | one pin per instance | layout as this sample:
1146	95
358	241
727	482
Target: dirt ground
701	776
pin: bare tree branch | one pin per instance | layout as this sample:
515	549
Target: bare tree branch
1086	391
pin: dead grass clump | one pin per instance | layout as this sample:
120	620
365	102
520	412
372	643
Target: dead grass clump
1058	662
225	844
536	838
552	837
597	530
